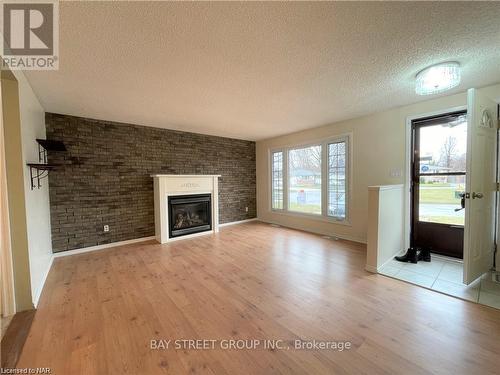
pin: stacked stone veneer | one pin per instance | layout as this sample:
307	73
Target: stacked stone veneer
104	177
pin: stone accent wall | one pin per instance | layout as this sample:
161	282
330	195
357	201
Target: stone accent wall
104	177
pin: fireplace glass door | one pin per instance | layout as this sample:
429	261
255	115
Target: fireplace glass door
189	214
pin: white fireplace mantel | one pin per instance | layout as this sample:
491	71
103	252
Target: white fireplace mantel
166	185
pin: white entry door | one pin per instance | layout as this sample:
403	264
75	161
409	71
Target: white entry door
480	185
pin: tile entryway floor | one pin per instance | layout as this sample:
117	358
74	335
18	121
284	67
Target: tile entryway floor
445	275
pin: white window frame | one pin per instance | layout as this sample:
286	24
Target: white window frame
271	177
347	138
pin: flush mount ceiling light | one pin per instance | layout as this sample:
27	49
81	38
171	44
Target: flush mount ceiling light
437	78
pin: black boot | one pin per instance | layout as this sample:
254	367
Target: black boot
425	254
410	256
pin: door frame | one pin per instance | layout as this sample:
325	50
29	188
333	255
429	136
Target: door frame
7	292
497	195
408	172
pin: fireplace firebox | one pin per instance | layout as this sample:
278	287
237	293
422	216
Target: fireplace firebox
189	214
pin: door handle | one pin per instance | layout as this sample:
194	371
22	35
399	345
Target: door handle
462	202
477	195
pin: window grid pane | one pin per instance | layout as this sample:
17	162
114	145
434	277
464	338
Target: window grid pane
337	180
277	180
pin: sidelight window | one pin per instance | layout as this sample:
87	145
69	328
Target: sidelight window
277	180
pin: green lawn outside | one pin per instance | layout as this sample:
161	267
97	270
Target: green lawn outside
305	208
439	195
429	193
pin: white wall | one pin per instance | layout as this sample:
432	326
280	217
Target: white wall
378	146
386	225
37	200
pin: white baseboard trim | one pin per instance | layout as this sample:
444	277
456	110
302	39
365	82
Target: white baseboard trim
128	242
340	236
102	247
377	269
371	269
38	292
237	222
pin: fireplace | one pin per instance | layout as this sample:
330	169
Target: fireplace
185	206
188	214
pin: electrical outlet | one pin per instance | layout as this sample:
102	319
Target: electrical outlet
246	209
106	228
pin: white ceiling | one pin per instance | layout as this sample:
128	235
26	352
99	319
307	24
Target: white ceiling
257	70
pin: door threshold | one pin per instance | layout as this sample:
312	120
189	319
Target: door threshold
446	258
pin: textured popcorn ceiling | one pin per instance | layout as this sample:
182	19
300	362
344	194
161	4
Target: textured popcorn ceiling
257	70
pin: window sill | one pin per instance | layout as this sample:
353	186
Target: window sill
311	217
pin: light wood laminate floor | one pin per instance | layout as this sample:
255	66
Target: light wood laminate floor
100	310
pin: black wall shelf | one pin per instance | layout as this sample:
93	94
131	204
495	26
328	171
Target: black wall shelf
45	145
41	170
37	172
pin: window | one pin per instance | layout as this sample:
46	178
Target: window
304	180
312	180
277	180
336	179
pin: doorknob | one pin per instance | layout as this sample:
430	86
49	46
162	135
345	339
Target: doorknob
477	195
462	202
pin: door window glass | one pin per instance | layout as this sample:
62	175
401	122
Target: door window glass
441	162
443	147
439	199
